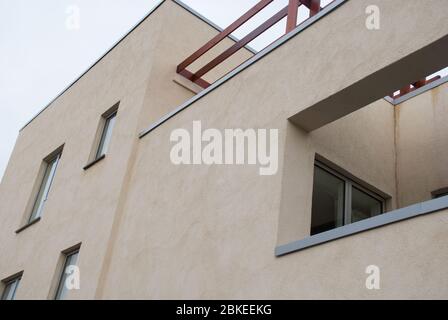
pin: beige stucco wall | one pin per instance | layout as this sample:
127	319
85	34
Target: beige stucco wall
83	204
203	231
150	229
350	52
422	145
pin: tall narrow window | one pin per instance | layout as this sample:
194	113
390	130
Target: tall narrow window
337	200
106	135
70	260
9	292
51	165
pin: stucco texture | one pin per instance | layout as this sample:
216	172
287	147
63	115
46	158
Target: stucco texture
151	229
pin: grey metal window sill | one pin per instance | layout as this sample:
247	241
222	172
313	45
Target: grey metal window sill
364	225
29	224
92	163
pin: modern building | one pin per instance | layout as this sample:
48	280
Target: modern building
359	195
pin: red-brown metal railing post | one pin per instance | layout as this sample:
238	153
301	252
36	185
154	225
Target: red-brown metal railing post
314	7
221	36
405	90
425	81
241	43
290	11
291	21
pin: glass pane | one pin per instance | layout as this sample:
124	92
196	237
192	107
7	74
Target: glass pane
10	290
328	201
364	206
106	136
440	195
44	189
70	260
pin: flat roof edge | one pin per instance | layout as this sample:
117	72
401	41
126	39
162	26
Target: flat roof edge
210	23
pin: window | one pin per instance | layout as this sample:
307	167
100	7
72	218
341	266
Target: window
9	291
109	123
103	136
440	193
338	201
42	195
70	259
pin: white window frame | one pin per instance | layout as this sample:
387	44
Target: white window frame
13	280
107	130
60	292
46	182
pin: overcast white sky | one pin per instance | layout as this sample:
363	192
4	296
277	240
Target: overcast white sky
40	56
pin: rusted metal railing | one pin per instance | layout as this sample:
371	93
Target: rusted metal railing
414	86
290	11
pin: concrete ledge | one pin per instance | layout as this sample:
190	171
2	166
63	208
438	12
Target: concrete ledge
187	84
364	225
375	86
